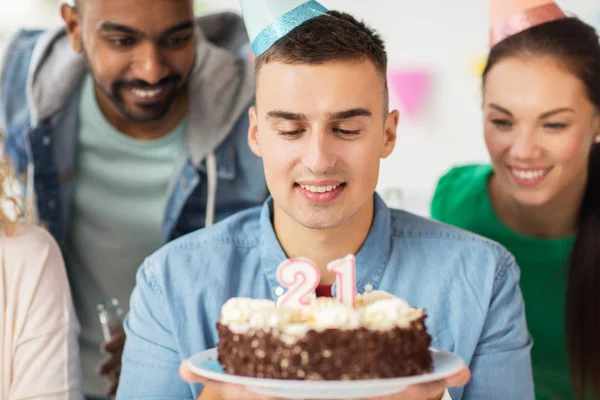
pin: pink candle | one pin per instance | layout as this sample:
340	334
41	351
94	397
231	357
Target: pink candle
301	277
345	279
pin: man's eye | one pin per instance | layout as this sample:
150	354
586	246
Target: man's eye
290	133
177	41
122	42
346	131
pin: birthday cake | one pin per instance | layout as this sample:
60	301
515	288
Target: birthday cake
380	337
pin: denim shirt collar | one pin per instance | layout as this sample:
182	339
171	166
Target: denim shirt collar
371	259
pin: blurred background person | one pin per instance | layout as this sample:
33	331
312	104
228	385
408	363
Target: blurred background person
38	327
540	197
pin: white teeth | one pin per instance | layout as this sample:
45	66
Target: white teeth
146	93
319	189
529	174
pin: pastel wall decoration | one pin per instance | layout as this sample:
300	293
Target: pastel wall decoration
411	88
478	65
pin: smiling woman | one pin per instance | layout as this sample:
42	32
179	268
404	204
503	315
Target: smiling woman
540	197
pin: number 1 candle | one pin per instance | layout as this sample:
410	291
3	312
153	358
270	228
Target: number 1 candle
345	278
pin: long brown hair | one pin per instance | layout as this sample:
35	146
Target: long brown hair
577	46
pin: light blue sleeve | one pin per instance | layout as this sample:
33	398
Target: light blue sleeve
150	358
501	365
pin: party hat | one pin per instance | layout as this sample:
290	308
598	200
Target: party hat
509	17
269	20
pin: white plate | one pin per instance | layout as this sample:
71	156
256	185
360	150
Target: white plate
206	365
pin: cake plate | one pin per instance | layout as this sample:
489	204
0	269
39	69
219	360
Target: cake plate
205	364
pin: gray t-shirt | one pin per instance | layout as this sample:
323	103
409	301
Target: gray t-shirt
119	203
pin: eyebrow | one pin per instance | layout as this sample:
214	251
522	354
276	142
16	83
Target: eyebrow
557	111
501	109
112	27
115	27
290	116
181	27
543	116
346	114
338	115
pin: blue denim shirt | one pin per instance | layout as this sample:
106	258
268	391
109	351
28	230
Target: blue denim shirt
467	284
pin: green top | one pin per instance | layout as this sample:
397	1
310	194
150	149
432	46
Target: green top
462	199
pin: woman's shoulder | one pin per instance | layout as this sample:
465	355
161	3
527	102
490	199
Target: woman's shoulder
28	244
30	236
470	175
460	192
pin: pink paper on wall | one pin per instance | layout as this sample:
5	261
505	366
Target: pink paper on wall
411	88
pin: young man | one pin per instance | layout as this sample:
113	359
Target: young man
129	128
321	126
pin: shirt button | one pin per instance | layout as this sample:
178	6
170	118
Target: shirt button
46	140
278	291
368	287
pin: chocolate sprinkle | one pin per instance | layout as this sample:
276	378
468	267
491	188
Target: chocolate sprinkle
331	354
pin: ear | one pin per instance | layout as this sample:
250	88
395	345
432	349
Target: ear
389	133
72	20
596	124
253	140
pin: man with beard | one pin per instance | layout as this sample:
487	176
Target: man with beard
128	128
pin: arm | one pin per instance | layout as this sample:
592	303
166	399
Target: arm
501	365
151	360
46	358
208	395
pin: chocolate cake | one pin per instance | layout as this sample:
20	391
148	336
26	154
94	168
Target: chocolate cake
383	337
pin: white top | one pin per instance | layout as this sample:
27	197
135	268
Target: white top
38	329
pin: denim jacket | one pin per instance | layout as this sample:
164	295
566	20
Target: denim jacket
40	84
468	285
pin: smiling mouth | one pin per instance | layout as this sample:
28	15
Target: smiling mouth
320	189
147	93
529	175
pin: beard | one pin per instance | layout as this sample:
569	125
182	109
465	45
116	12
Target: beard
173	84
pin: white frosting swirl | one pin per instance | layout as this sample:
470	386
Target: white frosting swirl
371	297
386	314
274	318
241	309
375	310
335	317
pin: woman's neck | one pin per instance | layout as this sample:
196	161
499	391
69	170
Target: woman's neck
554	219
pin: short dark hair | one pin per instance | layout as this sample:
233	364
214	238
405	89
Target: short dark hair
575	45
333	36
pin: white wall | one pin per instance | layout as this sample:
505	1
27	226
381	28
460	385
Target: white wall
445	36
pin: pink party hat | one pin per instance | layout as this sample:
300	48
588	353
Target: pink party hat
509	17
